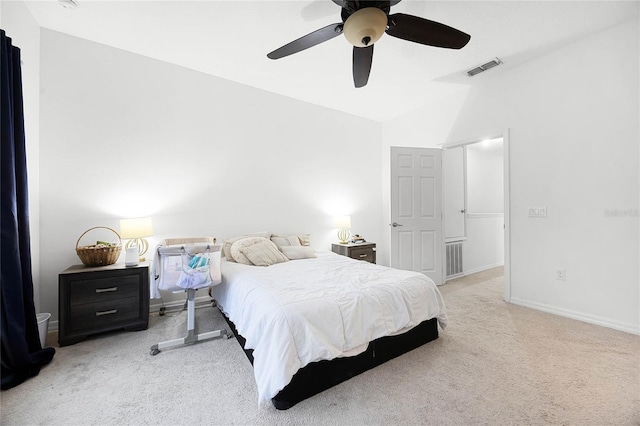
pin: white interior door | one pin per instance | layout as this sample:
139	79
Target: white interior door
416	211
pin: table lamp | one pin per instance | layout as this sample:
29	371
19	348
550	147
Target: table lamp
135	230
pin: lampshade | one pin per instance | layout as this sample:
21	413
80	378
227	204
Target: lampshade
342	221
136	228
365	26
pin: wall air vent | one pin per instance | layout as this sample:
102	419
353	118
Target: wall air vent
454	259
477	70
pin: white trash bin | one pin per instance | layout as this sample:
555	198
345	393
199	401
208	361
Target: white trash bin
43	327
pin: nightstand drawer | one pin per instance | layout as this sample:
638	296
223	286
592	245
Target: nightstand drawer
364	253
359	251
103	289
95	315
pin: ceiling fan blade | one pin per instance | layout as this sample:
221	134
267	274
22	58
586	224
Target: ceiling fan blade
424	31
343	3
307	41
362	59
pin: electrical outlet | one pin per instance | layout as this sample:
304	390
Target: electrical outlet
561	274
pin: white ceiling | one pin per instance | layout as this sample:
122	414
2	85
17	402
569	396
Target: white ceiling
230	39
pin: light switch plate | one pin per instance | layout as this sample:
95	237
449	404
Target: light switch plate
540	212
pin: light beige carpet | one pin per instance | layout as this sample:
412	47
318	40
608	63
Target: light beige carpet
495	364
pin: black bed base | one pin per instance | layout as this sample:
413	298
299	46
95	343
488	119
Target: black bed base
322	375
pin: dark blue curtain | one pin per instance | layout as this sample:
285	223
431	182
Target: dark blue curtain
22	354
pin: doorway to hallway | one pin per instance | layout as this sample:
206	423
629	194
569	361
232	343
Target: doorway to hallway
476	207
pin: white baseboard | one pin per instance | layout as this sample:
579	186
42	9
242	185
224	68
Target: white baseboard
482	268
473	271
567	313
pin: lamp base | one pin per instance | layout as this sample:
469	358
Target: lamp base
343	235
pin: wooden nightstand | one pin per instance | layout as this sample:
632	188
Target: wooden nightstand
97	299
360	251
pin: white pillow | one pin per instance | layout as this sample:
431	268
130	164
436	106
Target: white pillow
291	240
285	240
264	253
237	255
298	252
305	239
226	245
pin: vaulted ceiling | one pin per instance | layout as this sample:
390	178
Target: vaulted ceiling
230	40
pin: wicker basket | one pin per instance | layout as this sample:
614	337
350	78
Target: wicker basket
98	255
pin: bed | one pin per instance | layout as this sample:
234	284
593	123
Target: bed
312	322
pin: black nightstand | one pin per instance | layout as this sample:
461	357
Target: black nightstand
360	251
97	299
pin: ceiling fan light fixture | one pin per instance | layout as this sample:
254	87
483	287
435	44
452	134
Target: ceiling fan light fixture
365	26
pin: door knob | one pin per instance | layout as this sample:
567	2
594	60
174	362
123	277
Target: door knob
394	224
462	211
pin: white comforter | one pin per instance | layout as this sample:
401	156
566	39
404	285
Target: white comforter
302	311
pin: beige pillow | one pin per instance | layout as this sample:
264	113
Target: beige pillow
285	240
237	246
226	245
305	239
291	240
298	252
264	253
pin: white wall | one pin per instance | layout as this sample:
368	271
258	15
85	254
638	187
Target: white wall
485	193
573	117
484	246
24	31
123	136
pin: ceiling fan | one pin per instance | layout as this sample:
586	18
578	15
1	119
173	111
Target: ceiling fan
364	22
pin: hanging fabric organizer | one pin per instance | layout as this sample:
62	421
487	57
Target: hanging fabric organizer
181	270
186	265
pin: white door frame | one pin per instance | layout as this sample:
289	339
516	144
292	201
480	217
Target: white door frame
507	201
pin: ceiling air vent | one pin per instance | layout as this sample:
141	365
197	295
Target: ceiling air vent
68	4
477	70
